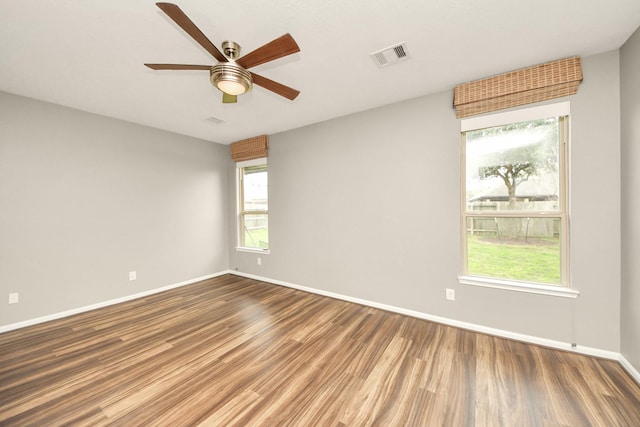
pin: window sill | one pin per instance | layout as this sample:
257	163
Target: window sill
253	250
532	288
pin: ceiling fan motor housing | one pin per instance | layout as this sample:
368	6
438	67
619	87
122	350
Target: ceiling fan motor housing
231	78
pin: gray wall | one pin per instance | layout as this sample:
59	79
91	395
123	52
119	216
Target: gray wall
353	203
86	199
630	119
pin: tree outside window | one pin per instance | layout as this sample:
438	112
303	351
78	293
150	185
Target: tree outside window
514	211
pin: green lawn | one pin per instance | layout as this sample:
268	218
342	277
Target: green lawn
537	260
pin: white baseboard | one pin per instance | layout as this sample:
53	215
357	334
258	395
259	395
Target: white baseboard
630	369
446	321
71	312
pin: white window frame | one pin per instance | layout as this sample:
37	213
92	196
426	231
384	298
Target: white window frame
240	205
525	114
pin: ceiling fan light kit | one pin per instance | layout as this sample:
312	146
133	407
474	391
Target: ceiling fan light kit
231	78
228	75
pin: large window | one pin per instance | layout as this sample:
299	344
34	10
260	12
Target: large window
514	214
253	205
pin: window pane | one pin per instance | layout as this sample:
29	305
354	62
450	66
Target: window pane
255	231
525	249
255	188
514	167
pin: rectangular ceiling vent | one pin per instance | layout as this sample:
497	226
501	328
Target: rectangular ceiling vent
215	120
391	54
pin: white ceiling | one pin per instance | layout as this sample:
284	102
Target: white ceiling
89	55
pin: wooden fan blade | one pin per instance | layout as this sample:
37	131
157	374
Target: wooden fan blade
183	21
275	87
229	99
178	67
282	46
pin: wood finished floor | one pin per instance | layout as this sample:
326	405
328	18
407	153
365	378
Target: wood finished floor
234	351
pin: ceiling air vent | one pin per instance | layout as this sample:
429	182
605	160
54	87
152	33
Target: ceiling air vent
215	120
391	54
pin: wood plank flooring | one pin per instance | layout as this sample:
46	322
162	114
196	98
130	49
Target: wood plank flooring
231	351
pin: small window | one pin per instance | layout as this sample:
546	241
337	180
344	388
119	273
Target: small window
514	217
253	205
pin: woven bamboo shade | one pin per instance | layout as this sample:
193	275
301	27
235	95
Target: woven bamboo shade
525	86
248	149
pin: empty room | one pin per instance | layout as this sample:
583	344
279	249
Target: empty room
411	213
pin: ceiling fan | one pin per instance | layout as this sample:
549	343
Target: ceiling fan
230	74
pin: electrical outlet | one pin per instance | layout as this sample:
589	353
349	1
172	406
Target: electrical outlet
259	261
132	275
14	298
451	294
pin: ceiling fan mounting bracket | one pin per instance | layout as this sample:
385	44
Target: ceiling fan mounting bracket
231	49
